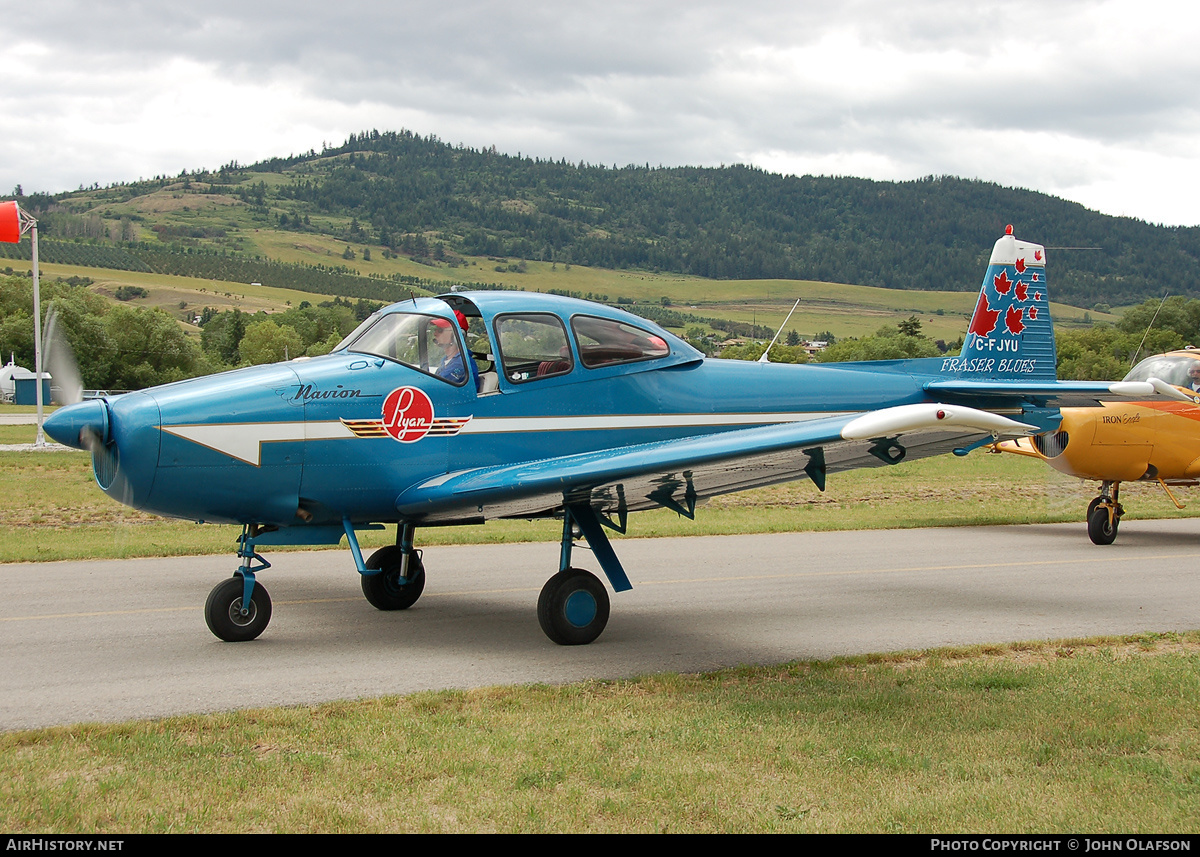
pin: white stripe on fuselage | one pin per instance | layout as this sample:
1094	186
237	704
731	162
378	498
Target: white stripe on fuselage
243	441
604	422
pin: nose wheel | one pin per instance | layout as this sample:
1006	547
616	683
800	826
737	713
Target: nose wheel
1104	516
231	617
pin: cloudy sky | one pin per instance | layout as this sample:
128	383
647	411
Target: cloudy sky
1098	102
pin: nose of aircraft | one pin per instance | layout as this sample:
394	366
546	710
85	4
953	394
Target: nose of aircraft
79	425
121	435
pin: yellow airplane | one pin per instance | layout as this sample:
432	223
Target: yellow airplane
1148	441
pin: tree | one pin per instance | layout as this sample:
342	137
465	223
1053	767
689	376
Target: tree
267	342
324	347
887	343
1175	313
151	349
911	326
222	334
1107	353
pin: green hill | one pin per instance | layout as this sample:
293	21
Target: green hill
430	208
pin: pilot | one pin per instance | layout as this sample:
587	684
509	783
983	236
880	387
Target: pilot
1194	377
453	367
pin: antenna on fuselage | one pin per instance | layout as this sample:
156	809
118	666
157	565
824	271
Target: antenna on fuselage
764	359
1133	359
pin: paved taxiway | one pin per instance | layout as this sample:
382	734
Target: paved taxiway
115	640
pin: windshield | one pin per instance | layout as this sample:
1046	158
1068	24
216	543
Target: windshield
424	342
353	335
1172	368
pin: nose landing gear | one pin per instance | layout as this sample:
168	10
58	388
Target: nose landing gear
1104	514
231	616
238	608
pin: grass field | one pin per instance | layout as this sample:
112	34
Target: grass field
1046	738
51	508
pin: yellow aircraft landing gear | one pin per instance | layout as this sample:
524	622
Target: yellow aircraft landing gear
1104	514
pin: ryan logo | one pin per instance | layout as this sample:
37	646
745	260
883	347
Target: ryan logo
407	418
407	414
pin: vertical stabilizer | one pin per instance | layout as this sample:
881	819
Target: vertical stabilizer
1010	335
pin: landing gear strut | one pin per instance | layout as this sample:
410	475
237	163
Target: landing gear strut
573	607
401	576
1104	514
238	608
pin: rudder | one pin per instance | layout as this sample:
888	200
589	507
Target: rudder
1011	335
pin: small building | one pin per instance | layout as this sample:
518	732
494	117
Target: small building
19	385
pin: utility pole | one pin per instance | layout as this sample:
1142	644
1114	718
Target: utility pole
14	222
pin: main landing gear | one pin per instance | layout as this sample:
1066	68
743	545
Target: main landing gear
572	609
1104	514
573	606
400	580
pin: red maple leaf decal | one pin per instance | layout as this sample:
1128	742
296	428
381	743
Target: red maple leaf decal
1002	283
1037	296
1037	254
1020	266
1033	313
984	320
1022	290
1012	320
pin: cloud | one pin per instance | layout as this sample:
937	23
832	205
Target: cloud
1094	101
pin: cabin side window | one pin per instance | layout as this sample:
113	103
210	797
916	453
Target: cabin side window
532	346
605	342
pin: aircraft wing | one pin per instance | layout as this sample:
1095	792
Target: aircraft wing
676	473
1060	394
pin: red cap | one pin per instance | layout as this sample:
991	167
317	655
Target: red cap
459	317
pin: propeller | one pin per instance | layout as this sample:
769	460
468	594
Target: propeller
81	424
88	424
60	359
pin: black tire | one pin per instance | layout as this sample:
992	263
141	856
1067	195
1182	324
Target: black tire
1092	507
573	607
1101	529
222	611
384	590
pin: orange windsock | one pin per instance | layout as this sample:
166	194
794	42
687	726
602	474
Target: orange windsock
10	223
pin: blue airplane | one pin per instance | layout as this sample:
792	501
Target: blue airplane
467	407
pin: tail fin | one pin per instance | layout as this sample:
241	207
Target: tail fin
1010	335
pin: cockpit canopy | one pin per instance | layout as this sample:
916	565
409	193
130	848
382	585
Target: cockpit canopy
1172	368
525	337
